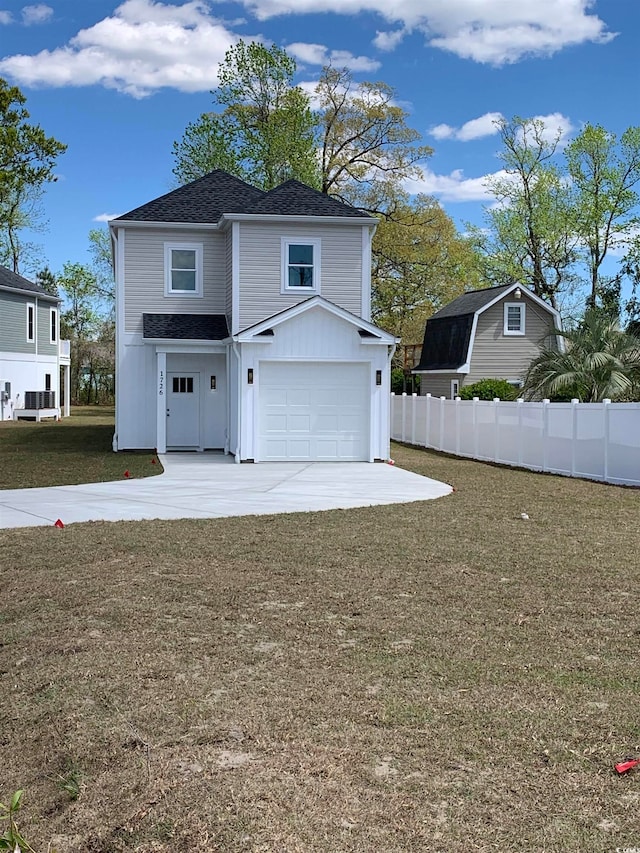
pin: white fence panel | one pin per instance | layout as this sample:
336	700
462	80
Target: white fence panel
596	440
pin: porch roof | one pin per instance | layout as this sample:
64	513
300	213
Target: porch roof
193	327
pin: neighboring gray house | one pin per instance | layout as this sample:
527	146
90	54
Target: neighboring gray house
493	333
243	324
31	352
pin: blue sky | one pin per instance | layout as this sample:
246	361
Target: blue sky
118	82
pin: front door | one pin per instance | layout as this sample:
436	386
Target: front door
183	410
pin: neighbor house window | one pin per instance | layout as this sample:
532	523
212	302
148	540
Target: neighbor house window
514	318
455	388
183	269
301	265
47	382
54	325
31	323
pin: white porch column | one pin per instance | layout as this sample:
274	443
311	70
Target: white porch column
66	378
161	415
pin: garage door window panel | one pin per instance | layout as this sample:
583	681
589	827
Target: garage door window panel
300	265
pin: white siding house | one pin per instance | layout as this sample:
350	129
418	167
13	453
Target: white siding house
243	324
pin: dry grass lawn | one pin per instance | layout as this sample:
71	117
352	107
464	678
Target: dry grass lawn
63	453
440	676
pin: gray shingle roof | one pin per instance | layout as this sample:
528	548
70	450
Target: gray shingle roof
203	201
471	302
193	327
295	199
14	281
208	198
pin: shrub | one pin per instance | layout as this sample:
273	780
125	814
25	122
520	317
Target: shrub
489	389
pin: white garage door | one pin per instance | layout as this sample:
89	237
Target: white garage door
314	411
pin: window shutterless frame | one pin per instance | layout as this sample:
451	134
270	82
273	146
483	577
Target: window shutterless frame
53	326
31	322
183	269
300	265
514	318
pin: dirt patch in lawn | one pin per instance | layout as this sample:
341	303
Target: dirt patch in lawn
441	676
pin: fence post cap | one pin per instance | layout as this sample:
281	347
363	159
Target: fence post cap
476	399
404	393
606	401
574	401
442	397
496	399
520	400
414	394
545	401
427	395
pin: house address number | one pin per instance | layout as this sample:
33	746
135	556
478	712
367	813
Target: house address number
161	383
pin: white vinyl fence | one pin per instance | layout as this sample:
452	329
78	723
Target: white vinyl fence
600	441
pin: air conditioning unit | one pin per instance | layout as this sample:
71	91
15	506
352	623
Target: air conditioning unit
39	399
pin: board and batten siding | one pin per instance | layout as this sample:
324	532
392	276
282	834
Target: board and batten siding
261	273
13	323
500	356
145	275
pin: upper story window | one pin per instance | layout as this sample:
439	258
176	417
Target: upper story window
183	269
514	317
301	265
53	328
31	322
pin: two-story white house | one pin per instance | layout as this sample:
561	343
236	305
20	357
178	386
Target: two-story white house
243	324
32	355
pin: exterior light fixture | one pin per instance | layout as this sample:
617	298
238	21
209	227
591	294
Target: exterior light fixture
213	383
378	377
250	376
517	293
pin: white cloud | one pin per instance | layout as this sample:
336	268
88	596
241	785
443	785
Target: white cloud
555	126
36	14
476	128
106	217
389	40
143	46
491	31
453	187
319	54
5	17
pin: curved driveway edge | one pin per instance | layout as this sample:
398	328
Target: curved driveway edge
196	485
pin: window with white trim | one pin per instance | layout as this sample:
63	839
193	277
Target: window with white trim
514	318
31	323
301	265
455	388
183	269
53	326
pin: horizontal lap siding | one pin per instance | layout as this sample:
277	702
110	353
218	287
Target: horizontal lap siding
438	385
500	356
45	347
229	276
261	275
13	323
144	275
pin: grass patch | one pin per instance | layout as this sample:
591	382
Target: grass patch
74	450
437	676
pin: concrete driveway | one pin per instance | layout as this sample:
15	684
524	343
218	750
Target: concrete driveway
197	485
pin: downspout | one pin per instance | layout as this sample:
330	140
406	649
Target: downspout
239	401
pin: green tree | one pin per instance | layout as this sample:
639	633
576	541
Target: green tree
599	361
367	148
47	281
604	171
531	235
419	264
27	161
102	265
79	319
265	133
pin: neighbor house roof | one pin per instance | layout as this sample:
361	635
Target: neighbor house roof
192	327
12	281
207	199
449	333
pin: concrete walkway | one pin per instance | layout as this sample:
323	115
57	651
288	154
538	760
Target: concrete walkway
197	485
